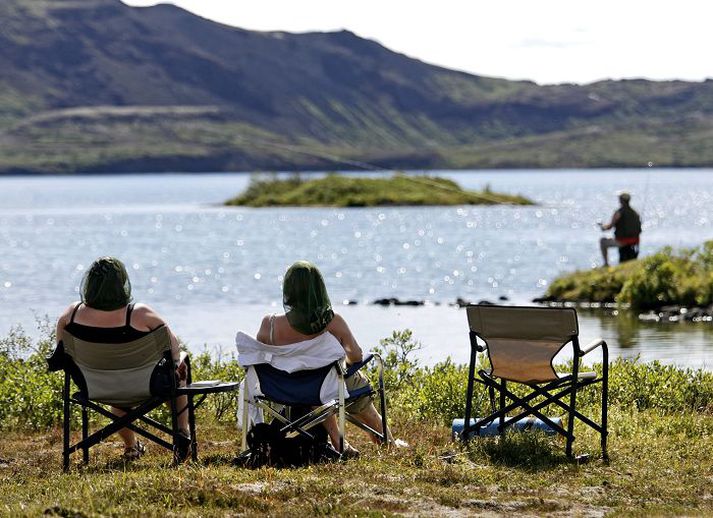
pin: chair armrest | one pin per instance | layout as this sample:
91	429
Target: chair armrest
474	342
593	345
358	365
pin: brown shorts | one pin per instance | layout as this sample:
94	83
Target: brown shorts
354	382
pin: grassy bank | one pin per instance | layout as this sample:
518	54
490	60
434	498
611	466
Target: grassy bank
669	277
661	433
345	191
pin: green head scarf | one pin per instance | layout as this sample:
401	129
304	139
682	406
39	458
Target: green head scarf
106	285
305	299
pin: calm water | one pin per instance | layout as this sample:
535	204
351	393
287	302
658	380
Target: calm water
212	270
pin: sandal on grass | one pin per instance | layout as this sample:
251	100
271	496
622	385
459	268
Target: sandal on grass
350	453
135	451
182	449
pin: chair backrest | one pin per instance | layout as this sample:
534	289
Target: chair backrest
523	341
293	388
118	374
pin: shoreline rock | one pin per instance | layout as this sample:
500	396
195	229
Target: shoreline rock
666	314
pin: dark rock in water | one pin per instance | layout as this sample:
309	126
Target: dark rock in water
385	302
503	298
410	303
485	303
649	317
396	302
671	310
544	300
351	302
461	303
694	314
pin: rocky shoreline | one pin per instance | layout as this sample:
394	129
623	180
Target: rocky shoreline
666	314
459	302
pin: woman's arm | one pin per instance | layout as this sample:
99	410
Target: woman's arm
339	328
144	318
263	334
63	320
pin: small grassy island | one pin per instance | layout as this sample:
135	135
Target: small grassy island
337	190
666	278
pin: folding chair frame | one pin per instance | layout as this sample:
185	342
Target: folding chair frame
135	415
318	415
553	392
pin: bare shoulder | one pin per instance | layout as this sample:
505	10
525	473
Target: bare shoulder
144	315
265	323
67	313
264	331
338	325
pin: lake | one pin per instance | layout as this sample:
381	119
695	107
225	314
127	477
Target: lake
211	270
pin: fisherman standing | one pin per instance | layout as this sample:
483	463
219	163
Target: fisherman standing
627	228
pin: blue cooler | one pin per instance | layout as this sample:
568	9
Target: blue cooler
526	423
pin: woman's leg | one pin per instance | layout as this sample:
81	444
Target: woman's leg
333	431
371	417
126	435
182	409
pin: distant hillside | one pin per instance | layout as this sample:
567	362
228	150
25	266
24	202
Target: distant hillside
95	85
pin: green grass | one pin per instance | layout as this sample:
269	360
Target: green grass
668	277
661	435
344	191
660	464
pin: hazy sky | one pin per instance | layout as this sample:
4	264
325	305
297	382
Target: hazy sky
548	41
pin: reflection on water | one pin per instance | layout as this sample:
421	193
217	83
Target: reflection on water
683	343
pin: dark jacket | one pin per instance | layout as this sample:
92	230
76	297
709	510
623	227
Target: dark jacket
628	224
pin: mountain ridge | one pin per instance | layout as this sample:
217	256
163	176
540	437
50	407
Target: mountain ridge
98	85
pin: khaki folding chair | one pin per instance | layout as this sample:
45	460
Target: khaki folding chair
136	376
521	343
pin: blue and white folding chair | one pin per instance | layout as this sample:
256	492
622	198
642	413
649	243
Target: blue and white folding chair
314	379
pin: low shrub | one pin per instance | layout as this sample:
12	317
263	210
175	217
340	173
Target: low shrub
30	397
668	277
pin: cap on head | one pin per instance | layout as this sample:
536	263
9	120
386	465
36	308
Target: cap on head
624	196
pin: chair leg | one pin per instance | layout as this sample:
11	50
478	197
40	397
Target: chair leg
244	419
85	434
66	431
605	404
174	429
501	419
192	428
570	421
342	415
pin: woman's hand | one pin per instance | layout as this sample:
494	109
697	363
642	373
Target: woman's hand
182	366
182	371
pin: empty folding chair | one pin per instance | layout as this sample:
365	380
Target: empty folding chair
521	344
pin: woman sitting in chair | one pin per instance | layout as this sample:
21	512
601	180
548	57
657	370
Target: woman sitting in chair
105	315
308	314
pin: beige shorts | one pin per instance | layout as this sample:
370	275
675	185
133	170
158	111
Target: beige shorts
354	382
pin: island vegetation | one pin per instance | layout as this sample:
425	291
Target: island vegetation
667	278
661	435
337	190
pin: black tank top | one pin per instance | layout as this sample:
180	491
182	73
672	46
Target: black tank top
107	335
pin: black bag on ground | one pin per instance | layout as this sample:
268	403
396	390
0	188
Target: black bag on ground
268	446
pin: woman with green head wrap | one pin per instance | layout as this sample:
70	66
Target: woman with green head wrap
105	314
309	314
